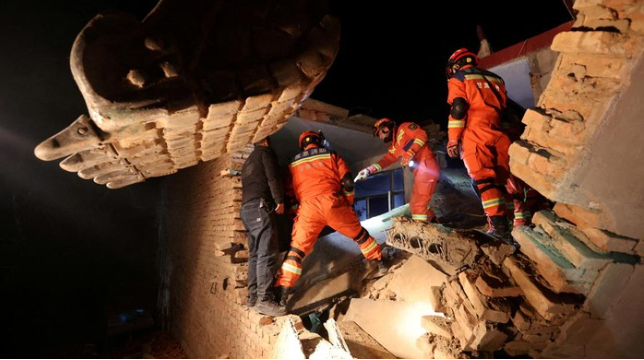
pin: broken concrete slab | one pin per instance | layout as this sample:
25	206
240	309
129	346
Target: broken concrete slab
397	331
433	242
362	345
417	281
437	325
546	303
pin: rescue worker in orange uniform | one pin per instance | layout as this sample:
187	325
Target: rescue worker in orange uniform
324	187
408	142
477	98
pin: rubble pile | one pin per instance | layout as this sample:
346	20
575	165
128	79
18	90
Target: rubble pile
518	304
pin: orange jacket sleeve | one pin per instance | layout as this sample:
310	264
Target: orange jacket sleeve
455	89
343	170
386	160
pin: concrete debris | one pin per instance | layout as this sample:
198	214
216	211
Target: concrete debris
394	324
417	281
433	242
438	347
497	252
360	344
437	325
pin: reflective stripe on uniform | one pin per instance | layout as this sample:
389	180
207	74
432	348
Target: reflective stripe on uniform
419	142
492	202
522	215
378	167
418	217
452	124
369	248
311	158
292	269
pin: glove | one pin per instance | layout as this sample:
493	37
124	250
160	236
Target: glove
406	159
362	175
452	149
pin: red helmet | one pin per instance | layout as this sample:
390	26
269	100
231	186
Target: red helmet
384	122
311	137
460	58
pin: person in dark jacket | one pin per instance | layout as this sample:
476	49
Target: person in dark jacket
262	198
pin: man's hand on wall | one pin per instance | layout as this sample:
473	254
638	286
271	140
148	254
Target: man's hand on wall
279	209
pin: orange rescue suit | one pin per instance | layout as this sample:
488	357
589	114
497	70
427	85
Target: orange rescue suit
317	174
483	143
410	142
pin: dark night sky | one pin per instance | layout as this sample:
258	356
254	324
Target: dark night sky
71	250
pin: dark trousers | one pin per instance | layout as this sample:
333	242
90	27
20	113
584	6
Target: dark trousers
263	248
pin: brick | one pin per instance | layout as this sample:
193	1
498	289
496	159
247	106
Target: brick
487	287
593	42
608	241
579	216
517	347
437	325
542	300
574	250
484	309
488	338
554	268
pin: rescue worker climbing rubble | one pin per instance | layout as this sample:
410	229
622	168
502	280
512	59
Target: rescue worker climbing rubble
408	142
477	98
323	185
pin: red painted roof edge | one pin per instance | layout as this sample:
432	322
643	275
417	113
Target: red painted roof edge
523	48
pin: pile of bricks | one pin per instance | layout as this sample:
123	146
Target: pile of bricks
246	77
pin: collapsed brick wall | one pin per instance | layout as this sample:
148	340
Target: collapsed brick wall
204	282
587	119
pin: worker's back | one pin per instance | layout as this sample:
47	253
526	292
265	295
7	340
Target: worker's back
317	171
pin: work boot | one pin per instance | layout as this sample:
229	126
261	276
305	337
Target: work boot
382	269
251	301
521	222
270	308
500	229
